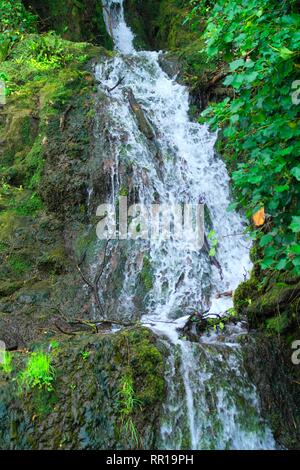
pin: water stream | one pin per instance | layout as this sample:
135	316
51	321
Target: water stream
210	401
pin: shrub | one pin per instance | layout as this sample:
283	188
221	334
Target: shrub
258	42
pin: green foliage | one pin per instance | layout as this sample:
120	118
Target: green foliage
6	362
38	373
49	51
277	324
127	404
14	22
85	355
259	42
18	265
219	323
212	237
146	273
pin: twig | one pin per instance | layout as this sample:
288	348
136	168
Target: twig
63	331
116	85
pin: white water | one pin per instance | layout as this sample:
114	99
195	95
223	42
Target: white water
184	279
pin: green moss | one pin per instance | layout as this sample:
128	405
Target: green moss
54	261
10	287
123	191
245	294
145	363
18	265
147	273
277	324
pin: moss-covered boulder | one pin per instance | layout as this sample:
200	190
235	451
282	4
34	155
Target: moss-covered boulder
87	406
271	305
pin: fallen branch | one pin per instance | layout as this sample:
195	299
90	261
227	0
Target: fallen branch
216	79
70	333
121	80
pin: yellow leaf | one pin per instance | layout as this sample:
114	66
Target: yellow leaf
259	217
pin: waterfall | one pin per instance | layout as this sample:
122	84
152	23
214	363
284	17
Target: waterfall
210	401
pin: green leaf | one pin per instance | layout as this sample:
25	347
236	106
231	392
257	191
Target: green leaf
282	188
265	240
295	249
296	172
236	64
232	207
267	263
296	261
295	225
285	53
251	77
212	252
281	264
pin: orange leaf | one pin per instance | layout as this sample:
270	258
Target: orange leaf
259	217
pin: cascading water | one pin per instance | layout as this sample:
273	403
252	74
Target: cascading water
210	401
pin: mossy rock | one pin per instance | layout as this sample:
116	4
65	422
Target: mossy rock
83	411
277	384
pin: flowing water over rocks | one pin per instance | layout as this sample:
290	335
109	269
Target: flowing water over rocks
158	156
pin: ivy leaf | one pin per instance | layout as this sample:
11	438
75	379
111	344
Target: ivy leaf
295	249
295	225
228	80
282	264
265	240
296	261
267	262
232	207
251	77
281	188
296	172
236	64
285	53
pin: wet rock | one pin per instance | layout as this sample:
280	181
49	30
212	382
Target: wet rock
170	64
142	121
83	410
268	362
